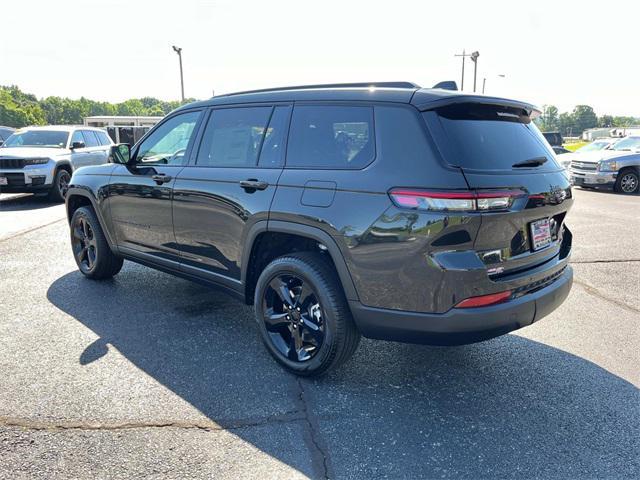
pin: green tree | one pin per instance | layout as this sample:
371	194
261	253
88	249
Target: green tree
584	117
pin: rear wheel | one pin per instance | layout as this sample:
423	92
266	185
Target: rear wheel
90	248
627	182
303	315
60	186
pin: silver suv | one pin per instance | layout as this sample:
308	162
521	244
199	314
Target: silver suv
42	159
617	167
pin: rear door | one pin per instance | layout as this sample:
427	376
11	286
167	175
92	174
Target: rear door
227	187
498	148
94	150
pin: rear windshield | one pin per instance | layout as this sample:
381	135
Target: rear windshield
488	137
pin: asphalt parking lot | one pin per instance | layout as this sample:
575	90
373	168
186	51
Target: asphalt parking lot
151	376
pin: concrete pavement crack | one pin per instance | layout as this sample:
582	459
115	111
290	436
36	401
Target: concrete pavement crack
29	230
582	262
320	450
29	424
597	293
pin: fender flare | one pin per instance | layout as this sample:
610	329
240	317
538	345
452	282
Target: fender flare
83	192
307	231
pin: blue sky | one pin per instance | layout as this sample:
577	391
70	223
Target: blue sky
551	52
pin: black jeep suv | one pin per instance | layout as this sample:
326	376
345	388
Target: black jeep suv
387	210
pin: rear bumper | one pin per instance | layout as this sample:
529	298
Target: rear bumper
461	326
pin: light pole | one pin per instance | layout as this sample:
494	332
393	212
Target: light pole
484	80
178	50
474	59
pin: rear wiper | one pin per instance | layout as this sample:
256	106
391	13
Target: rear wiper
532	162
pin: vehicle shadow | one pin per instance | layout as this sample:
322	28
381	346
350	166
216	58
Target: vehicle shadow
504	408
24	202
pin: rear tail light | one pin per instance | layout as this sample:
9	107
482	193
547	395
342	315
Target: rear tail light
485	300
467	201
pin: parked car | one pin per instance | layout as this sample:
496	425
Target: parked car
560	150
565	158
617	167
387	210
42	159
5	132
554	138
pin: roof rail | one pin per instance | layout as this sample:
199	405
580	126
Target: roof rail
331	85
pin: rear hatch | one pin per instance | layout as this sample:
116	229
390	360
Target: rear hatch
502	153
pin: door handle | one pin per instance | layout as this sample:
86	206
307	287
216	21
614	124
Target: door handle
252	184
161	178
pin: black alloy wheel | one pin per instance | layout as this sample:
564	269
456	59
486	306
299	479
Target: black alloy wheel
84	244
63	183
303	315
293	317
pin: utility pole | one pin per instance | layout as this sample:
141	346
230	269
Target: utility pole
464	55
179	52
474	59
484	82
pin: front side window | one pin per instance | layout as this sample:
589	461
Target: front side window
233	137
332	137
37	138
168	143
77	137
90	139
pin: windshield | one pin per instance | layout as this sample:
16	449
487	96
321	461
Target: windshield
594	147
629	143
490	137
37	138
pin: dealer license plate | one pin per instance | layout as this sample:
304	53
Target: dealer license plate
540	233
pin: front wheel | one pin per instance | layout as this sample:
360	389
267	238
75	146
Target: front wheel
60	186
303	315
90	248
627	182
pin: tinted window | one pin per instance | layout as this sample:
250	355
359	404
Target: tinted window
272	152
233	137
77	137
168	143
486	137
37	138
331	137
90	139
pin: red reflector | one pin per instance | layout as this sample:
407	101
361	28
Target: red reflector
484	300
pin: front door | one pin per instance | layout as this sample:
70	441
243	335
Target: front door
140	193
227	187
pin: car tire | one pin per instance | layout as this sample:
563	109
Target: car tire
58	190
318	312
627	182
91	251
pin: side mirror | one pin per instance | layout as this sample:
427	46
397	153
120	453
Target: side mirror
75	145
120	153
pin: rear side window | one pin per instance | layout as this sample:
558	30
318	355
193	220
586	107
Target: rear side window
488	137
233	137
331	137
103	138
90	139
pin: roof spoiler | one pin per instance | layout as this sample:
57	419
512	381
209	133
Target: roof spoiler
447	85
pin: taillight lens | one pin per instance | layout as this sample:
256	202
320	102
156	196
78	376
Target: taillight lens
485	300
467	201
